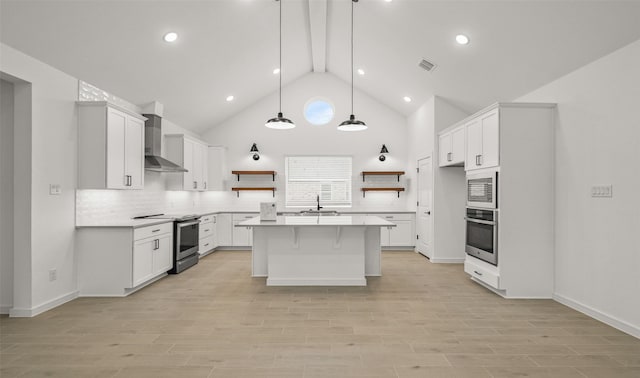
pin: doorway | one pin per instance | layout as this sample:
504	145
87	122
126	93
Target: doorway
6	195
424	244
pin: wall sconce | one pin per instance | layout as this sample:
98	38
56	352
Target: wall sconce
382	152
254	150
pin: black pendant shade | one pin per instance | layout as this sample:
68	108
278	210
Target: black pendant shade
279	122
352	124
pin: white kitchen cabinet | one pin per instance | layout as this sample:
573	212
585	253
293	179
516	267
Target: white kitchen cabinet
116	261
224	230
191	154
207	233
110	147
217	168
452	148
483	141
515	139
151	257
242	236
403	235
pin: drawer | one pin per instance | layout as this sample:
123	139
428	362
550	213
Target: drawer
149	231
394	217
244	217
206	219
205	245
487	275
206	230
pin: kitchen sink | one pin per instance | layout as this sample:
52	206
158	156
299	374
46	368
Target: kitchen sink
316	213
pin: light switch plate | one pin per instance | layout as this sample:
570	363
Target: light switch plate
602	191
55	189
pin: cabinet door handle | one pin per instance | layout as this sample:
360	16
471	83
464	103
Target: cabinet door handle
389	217
155	230
206	230
476	272
156	244
195	185
206	245
449	158
205	185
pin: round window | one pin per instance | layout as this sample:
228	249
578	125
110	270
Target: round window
318	111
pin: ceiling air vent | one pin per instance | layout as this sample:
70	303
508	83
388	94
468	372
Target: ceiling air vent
427	65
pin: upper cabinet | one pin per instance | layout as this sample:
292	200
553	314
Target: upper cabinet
451	147
191	154
483	141
110	147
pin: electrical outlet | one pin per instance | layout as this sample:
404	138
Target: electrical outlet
55	189
53	275
602	191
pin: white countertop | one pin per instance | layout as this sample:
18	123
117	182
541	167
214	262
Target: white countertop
132	223
306	220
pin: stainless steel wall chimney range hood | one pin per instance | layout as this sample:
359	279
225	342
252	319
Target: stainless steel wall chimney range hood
153	161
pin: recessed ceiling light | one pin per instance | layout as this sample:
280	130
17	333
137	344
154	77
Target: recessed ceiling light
171	37
360	71
388	1
462	39
230	98
406	99
276	71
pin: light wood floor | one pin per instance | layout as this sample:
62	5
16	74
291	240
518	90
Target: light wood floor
418	320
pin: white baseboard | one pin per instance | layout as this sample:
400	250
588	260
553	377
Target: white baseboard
31	312
614	322
316	282
447	261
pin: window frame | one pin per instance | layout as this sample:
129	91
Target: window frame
348	203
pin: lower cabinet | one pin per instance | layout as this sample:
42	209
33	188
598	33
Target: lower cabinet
224	230
207	232
402	235
242	236
151	257
116	261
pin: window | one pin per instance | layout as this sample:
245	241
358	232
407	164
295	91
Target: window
318	111
310	176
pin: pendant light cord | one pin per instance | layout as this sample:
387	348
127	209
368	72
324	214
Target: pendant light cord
352	56
280	64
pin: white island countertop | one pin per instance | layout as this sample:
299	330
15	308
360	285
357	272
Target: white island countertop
326	220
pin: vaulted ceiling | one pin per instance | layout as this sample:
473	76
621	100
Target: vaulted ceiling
230	47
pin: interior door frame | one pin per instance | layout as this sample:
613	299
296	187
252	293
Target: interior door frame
429	245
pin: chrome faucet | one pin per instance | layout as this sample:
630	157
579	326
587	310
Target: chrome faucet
318	199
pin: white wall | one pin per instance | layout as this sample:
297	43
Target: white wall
447	228
53	161
385	127
6	196
598	143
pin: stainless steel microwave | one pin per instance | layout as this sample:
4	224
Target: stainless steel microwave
482	189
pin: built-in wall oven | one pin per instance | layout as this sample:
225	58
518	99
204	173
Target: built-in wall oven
482	189
482	234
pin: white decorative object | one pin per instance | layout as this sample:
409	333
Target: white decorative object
268	211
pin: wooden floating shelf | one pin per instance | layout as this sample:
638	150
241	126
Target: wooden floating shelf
382	173
238	173
365	190
238	190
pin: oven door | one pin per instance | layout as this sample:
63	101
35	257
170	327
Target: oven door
482	240
187	238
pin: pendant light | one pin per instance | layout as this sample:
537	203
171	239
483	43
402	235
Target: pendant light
280	122
352	124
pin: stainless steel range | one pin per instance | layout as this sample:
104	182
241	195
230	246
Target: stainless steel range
186	236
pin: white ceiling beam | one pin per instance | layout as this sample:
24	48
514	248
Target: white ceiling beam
318	26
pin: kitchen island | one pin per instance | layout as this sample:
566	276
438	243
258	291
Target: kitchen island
316	250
